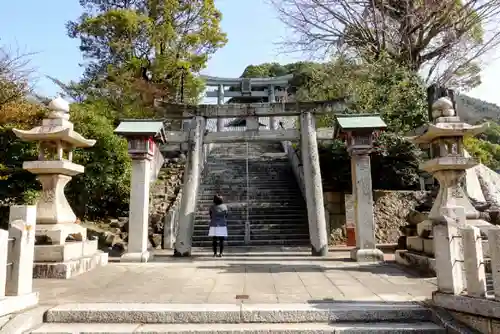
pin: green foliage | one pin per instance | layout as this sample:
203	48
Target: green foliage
394	164
31	196
302	72
103	190
486	148
15	182
139	51
381	86
443	40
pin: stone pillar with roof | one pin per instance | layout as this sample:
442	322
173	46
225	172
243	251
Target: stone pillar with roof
62	249
142	137
358	132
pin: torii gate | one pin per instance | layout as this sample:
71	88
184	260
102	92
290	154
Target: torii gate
358	129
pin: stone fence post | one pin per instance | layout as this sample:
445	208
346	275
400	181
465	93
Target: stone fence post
448	249
474	265
4	242
22	221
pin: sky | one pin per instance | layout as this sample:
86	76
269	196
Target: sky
38	27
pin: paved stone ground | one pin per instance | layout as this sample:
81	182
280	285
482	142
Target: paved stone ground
264	278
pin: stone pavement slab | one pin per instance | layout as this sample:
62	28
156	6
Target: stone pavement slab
309	328
239	278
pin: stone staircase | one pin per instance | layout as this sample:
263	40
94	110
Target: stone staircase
317	318
276	208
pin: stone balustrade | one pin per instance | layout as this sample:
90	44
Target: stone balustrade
171	223
467	270
16	260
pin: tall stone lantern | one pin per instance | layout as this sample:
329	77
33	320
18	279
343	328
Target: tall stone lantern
445	136
143	137
55	219
358	132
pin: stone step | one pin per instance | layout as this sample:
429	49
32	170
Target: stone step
275	237
256	199
269	220
232	186
258	232
237	242
297	207
235	169
254	195
284	188
252	168
297	328
260	211
272	201
263	226
259	218
229	179
333	312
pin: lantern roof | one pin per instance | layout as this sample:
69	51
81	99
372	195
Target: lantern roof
56	127
141	127
439	130
360	121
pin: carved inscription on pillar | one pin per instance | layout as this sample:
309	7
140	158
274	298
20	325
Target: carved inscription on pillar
363	174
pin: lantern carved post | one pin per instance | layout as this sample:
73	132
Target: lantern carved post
358	132
142	137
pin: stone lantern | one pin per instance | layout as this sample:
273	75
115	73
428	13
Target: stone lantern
359	131
142	137
450	161
55	218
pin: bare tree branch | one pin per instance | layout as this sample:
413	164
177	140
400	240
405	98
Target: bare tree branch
441	36
15	74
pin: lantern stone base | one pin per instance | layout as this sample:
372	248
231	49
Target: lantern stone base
58	233
367	255
68	260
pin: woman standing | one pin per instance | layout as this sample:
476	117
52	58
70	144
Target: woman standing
218	224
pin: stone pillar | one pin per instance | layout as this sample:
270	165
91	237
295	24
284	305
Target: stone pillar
273	122
190	190
220	101
139	212
448	249
313	186
4	248
366	250
22	220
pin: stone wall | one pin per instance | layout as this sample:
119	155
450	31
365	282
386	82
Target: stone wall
335	216
391	209
112	234
164	194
